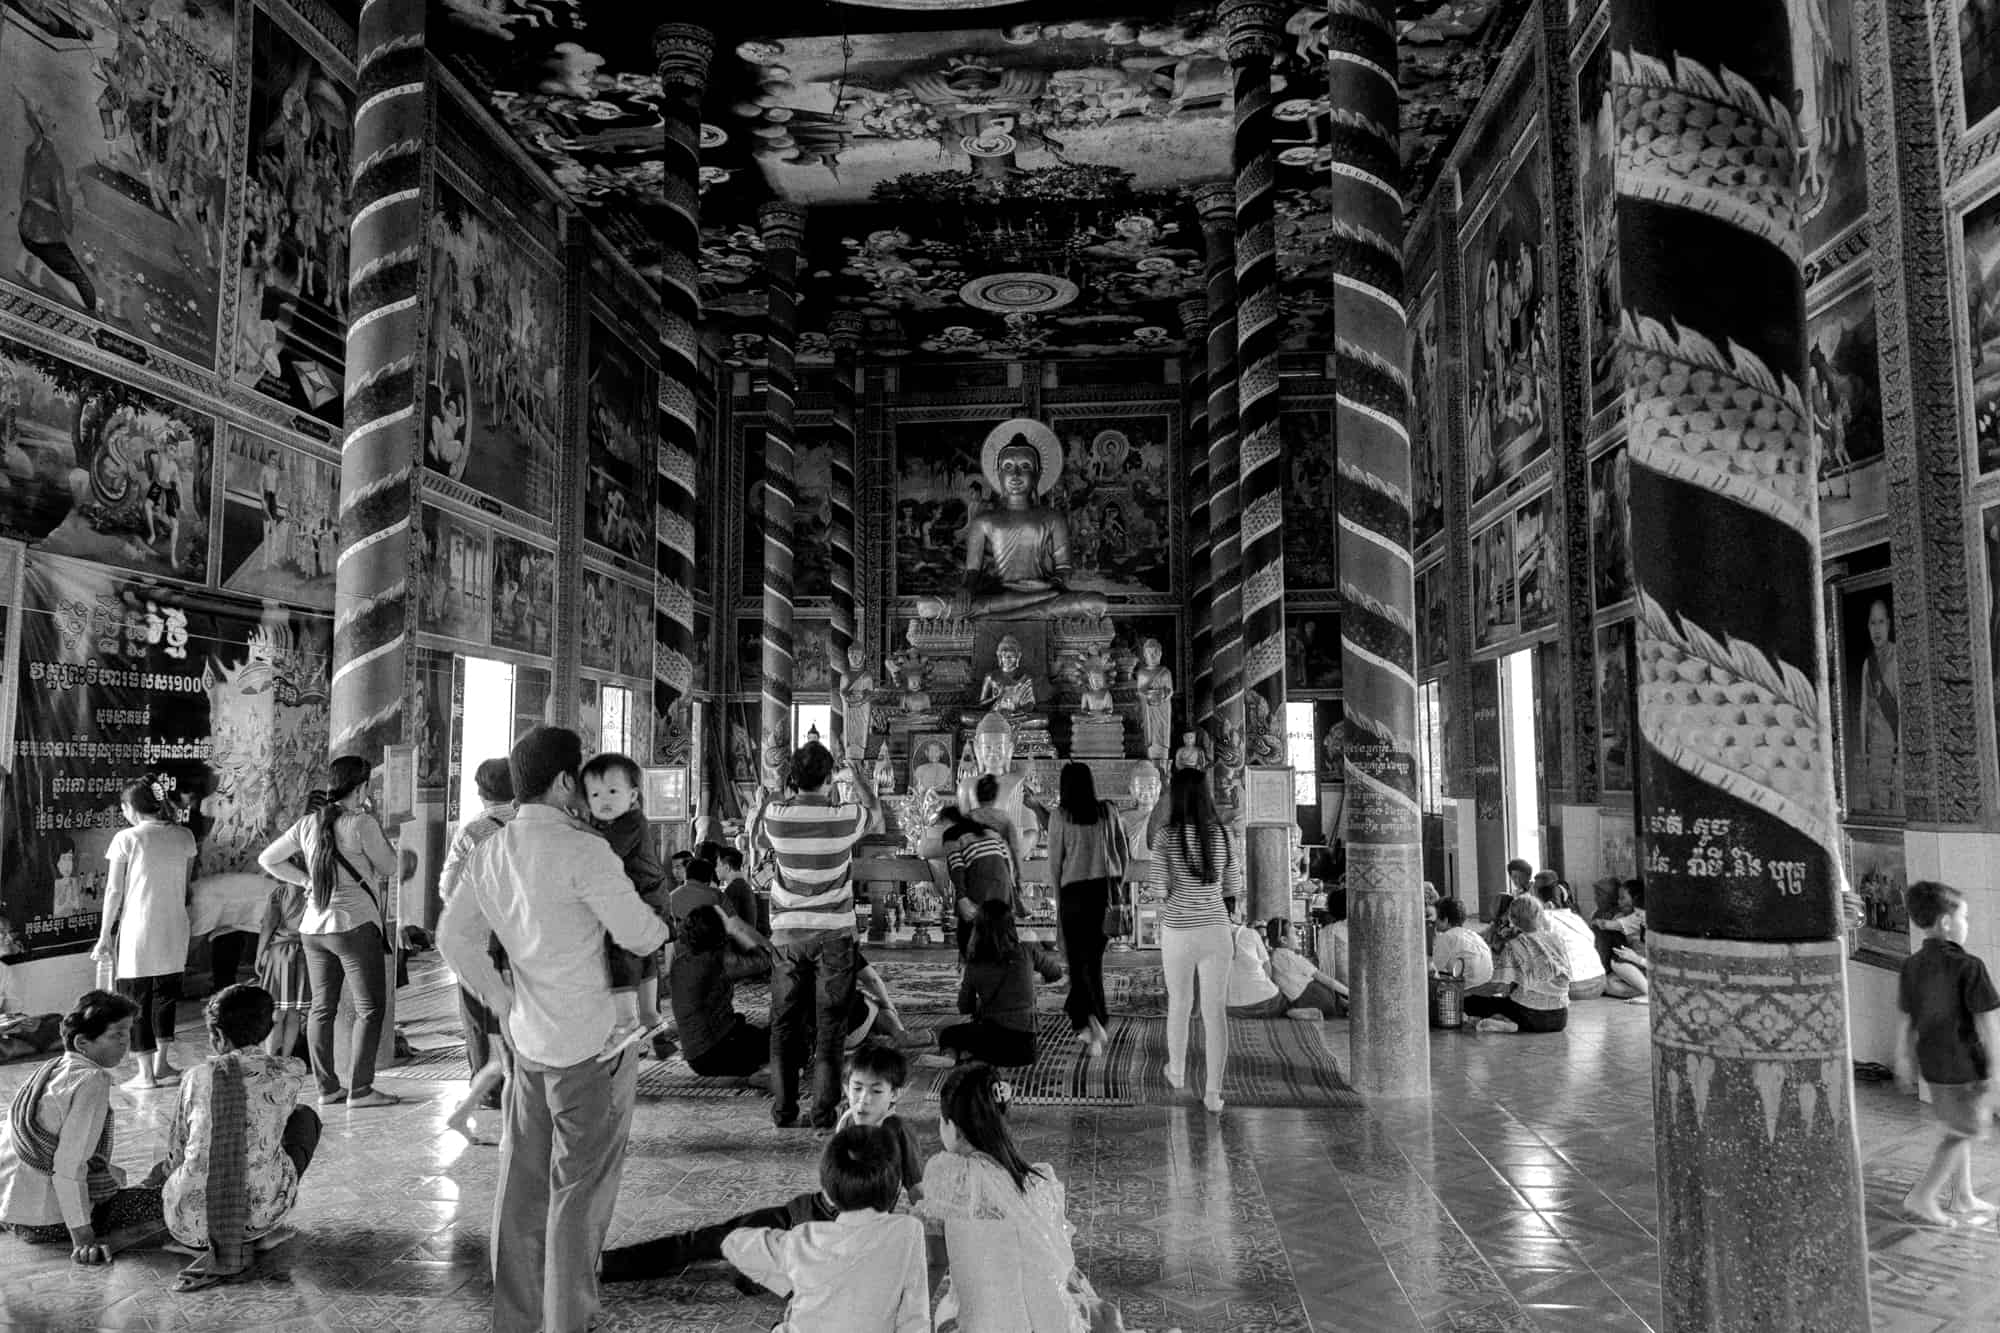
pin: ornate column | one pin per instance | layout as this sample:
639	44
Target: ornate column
845	328
784	227
1216	204
1254	32
1200	574
1735	788
382	453
573	466
1390	1036
683	52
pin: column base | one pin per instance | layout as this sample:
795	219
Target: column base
1388	973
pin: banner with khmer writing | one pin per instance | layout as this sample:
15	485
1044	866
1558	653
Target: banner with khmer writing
221	703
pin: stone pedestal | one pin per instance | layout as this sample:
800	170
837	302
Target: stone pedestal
1097	736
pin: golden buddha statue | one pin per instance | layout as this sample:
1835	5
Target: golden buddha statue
1017	558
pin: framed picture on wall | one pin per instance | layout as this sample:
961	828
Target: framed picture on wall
1496	615
1868	685
1616	759
666	793
1876	872
1982	284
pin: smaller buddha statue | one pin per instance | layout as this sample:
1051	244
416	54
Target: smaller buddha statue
913	672
1096	698
1155	682
857	697
885	771
1007	688
1191	754
934	773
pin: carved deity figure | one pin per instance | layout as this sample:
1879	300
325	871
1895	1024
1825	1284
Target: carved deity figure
857	697
912	671
1155	682
1267	744
1096	698
1017	555
1007	688
1191	754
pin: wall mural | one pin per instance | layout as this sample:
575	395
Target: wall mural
95	468
493	401
112	195
1833	178
524	596
1495	610
279	534
1614	706
812	514
1427	423
1433	619
1843	389
433	718
1312	556
1114	488
456	578
617	625
291	327
812	656
1871	691
1536	562
1979	58
1312	650
1597	136
1610	532
618	500
1982	291
1507	337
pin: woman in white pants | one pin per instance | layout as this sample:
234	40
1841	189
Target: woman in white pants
1194	865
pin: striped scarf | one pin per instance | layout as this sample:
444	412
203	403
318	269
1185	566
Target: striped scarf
36	1147
228	1166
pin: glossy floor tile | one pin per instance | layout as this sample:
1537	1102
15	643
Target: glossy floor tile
1520	1197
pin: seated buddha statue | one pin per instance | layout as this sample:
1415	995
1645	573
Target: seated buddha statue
1017	556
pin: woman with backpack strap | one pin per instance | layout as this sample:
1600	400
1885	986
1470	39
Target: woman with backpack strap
348	861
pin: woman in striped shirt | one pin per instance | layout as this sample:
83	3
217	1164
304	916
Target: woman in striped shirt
1194	865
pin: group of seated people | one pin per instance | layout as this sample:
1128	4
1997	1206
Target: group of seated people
1540	954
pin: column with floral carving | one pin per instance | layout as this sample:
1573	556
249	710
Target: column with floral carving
1215	203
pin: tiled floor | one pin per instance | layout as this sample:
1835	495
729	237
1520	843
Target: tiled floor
1521	1198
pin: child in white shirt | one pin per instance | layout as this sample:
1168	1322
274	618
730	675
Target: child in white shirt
1457	946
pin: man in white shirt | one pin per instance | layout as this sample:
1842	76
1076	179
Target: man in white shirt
549	888
1457	945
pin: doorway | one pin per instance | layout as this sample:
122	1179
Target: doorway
1520	758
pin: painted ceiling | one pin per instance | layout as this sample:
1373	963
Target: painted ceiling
979	184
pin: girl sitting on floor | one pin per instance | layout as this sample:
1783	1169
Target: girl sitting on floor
1004	1222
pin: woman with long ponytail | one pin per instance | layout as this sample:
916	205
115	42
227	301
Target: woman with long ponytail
1195	866
348	867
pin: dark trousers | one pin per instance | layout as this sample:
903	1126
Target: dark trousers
812	984
1505	1006
333	961
1607	942
667	1255
1080	909
480	1027
225	956
156	998
743	1052
63	263
1007	1048
301	1137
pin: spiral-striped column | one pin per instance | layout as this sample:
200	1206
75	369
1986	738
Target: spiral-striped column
383	448
682	52
1215	202
845	328
1760	1180
784	227
1200	683
1389	1038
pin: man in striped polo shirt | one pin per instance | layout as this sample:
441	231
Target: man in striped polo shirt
811	837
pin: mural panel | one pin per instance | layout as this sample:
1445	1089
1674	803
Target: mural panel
1843	379
1871	690
1496	613
617	625
1312	555
1982	289
1610	535
113	193
1507	336
1535	561
433	714
1433	619
1312	650
812	655
1833	180
1597	135
1614	707
618	501
493	400
94	468
1427	423
291	324
1979	58
524	595
279	535
812	514
455	587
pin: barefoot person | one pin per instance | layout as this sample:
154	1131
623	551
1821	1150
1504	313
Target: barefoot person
145	926
1950	1031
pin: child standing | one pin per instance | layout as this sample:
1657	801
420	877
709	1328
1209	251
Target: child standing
863	1270
281	966
1005	1222
611	785
1951	1027
876	1074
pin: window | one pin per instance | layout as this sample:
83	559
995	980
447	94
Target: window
487	726
1301	753
1430	748
1518	764
615	703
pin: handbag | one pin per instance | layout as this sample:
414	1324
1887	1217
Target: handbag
1117	916
1448	997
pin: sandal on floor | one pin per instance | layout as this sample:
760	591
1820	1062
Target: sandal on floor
199	1279
373	1097
334	1098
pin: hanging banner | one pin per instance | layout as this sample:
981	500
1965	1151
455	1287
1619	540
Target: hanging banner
221	704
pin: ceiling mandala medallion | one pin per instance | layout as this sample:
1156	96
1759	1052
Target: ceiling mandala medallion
1018	293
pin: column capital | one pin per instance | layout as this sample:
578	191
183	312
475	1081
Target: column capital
1252	29
1215	202
844	328
783	225
682	52
1194	319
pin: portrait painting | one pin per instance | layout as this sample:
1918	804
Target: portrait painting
436	683
1616	737
812	512
1535	563
1312	549
1508	346
622	408
1982	294
617	625
1610	533
455	586
95	468
1329	722
1870	691
812	655
1833	167
1979	58
291	321
114	188
1427	424
524	596
1496	613
1312	650
1878	874
493	396
1597	140
1843	389
1433	619
280	521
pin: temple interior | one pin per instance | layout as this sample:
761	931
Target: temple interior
1467	431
